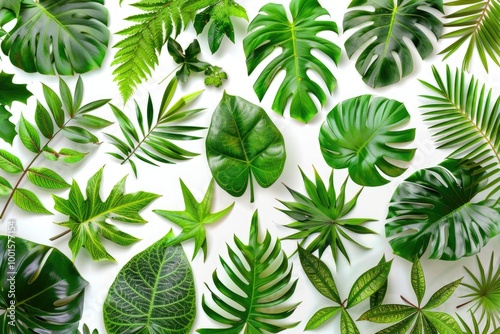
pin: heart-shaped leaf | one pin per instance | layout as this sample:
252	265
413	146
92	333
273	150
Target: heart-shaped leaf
243	143
41	291
360	134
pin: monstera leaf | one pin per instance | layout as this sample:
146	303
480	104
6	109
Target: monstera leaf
271	29
434	207
243	143
359	133
389	23
70	35
41	291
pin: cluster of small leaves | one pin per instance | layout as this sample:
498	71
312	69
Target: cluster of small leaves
415	318
153	143
367	285
194	218
323	213
86	330
49	123
88	216
262	275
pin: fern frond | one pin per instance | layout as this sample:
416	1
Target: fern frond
477	24
466	117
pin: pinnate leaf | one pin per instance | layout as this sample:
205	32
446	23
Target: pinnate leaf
27	200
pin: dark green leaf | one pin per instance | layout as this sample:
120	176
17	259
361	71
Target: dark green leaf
46	178
162	279
66	97
188	59
49	291
378	297
10	163
91	106
321	316
76	32
7	128
55	105
242	143
368	283
44	121
10	91
442	295
27	200
270	30
362	134
388	313
382	39
29	135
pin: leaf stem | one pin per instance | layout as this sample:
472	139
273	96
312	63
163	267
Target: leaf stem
252	197
62	234
461	305
175	69
409	303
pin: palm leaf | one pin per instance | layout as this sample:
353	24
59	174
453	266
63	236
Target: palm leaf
465	117
477	25
262	277
154	143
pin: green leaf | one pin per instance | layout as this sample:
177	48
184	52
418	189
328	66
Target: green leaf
187	59
162	279
46	178
434	208
322	213
321	316
319	275
55	105
214	76
476	26
262	274
194	218
12	5
76	30
442	295
362	134
5	187
71	156
347	325
88	217
79	135
86	330
27	200
444	323
66	97
243	143
388	313
11	92
10	163
92	121
465	117
218	17
378	297
270	30
382	39
49	291
29	135
418	280
44	121
7	128
368	283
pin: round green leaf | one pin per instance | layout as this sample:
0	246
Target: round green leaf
434	207
358	134
70	35
49	291
242	143
153	293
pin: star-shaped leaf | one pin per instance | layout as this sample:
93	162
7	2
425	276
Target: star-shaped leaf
188	59
87	217
194	217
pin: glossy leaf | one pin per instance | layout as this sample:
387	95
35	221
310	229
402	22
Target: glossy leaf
418	280
46	178
10	163
79	135
321	316
434	208
162	279
53	36
5	187
388	313
442	295
187	59
443	323
243	144
347	325
271	29
378	297
363	134
194	218
322	214
88	216
49	291
263	289
368	283
390	22
28	201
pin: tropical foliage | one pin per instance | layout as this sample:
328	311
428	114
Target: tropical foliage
10	92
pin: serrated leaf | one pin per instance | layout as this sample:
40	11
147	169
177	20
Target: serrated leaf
214	76
10	91
29	135
7	128
10	163
46	178
368	283
27	200
321	316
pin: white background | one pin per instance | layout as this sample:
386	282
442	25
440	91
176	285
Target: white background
302	150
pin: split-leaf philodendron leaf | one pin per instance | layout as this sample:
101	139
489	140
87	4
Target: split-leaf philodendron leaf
44	285
87	217
58	36
390	22
271	29
263	277
153	293
435	208
242	144
362	134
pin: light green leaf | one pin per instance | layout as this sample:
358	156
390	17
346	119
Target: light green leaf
442	295
92	121
347	325
444	323
388	313
5	187
321	316
27	200
29	135
10	163
418	280
71	156
162	279
368	283
46	178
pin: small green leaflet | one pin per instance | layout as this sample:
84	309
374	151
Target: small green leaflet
215	76
368	284
194	218
86	330
420	319
88	217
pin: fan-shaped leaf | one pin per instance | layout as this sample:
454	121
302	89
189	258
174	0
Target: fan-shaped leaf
358	134
434	207
271	29
70	35
390	21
